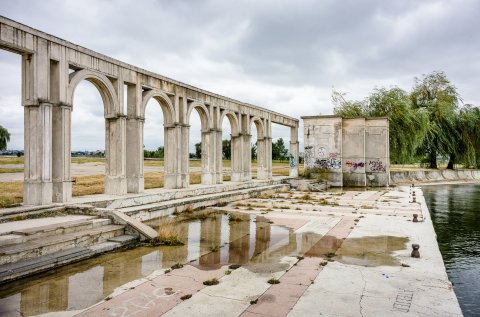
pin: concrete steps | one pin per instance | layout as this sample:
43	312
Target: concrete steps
54	243
149	211
34	245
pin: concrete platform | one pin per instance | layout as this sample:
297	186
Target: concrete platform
359	266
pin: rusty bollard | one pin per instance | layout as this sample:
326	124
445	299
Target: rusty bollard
415	218
415	253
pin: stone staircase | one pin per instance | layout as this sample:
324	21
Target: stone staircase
33	245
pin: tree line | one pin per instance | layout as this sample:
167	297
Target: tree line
427	123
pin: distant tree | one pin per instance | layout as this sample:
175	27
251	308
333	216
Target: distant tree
407	126
279	151
439	98
254	151
226	150
4	138
198	150
347	108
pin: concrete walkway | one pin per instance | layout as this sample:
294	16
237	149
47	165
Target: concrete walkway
359	266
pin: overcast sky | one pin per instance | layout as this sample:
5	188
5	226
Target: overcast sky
282	55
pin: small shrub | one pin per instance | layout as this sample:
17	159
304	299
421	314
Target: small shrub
177	266
323	263
167	271
234	266
273	281
213	281
214	248
306	197
186	296
228	272
329	254
254	301
234	218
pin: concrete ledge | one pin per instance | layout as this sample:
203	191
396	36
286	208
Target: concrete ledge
405	177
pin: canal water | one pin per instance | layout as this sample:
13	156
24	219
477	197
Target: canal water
455	212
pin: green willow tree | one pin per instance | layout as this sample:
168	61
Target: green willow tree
439	98
4	138
468	147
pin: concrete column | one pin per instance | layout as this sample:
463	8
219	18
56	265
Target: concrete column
247	157
236	163
134	159
294	149
208	157
170	161
61	152
37	188
219	157
262	172
115	153
184	155
268	148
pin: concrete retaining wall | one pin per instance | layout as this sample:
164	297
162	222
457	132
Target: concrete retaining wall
402	177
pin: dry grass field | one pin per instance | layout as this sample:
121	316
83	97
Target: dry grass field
11	193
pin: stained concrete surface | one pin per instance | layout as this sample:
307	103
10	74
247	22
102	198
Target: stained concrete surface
334	254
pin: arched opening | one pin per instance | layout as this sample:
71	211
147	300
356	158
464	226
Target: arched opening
87	140
280	150
201	147
11	119
229	148
154	145
257	149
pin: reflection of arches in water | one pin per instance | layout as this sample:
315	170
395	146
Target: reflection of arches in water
210	242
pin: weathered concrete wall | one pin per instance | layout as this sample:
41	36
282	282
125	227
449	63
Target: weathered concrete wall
422	176
377	166
347	151
353	155
323	148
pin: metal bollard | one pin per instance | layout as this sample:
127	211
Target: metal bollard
415	218
415	253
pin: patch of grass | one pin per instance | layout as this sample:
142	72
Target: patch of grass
11	170
228	272
11	194
366	207
177	266
200	215
234	218
214	248
167	271
323	263
213	281
186	296
168	233
273	281
254	301
4	160
306	197
234	266
330	254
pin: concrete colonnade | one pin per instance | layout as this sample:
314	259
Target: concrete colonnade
51	70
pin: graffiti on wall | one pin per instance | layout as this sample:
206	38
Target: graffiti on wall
292	161
376	166
322	152
309	159
328	164
354	165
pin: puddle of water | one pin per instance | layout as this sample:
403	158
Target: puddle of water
253	242
371	251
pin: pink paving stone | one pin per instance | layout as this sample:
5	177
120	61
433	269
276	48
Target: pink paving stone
290	223
278	300
156	297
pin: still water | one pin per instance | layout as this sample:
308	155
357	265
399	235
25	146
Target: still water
455	211
210	242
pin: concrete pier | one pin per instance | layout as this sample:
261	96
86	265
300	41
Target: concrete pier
348	255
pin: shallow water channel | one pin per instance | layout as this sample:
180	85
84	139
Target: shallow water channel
455	211
210	241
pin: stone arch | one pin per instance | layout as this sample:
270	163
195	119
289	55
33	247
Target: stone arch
232	118
259	125
203	113
164	102
101	82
